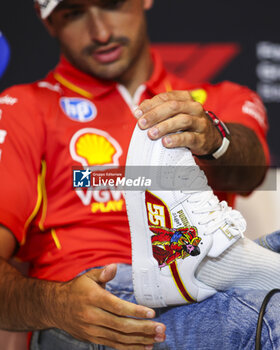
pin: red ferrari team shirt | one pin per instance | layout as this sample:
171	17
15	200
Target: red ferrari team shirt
72	119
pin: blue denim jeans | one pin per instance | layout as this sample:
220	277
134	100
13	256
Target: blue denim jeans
226	321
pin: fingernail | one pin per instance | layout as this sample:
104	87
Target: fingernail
154	132
168	141
150	314
143	122
159	329
138	113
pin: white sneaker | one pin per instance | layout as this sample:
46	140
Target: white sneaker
172	231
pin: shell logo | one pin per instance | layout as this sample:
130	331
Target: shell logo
92	147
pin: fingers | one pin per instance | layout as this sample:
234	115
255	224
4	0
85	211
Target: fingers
159	99
115	339
193	140
125	338
96	315
152	112
125	317
120	332
91	282
180	122
123	324
198	143
113	312
105	300
124	334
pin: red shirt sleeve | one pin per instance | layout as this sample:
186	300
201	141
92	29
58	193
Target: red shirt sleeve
21	150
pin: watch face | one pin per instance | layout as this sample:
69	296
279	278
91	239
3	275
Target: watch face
5	54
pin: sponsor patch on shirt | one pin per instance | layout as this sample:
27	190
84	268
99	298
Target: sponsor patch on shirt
93	147
78	109
3	134
8	100
52	87
255	109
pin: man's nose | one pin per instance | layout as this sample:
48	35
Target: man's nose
100	30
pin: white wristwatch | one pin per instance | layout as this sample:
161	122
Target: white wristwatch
224	132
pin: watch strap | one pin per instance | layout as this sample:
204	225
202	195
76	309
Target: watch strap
224	132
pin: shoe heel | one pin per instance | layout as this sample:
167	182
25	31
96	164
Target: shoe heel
147	287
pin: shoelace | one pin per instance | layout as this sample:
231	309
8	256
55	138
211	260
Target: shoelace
213	214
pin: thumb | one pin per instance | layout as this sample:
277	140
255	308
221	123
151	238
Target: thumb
108	273
103	275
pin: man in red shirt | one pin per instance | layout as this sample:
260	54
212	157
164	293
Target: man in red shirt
82	114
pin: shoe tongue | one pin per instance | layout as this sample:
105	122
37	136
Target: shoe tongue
226	235
220	243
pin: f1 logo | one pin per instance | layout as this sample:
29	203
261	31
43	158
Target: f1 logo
196	62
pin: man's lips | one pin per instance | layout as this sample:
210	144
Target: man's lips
108	55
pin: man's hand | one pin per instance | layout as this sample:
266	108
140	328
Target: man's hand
90	313
173	111
81	307
167	113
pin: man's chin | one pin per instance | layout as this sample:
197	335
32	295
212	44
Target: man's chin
108	73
